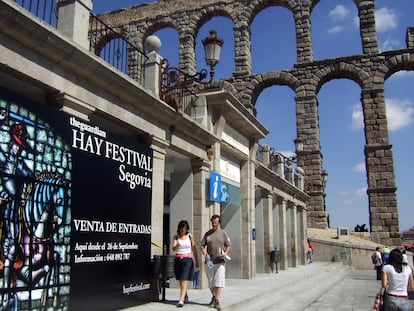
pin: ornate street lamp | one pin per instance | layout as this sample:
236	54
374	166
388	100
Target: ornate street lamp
298	149
298	144
173	77
212	47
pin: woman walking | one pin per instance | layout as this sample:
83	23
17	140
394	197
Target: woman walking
185	250
396	278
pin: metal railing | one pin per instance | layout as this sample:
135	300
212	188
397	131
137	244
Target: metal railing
176	90
280	164
44	9
105	42
112	47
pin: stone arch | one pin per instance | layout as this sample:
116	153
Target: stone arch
103	39
277	9
394	64
151	28
202	18
307	118
338	71
379	150
368	70
214	11
219	85
315	2
256	7
263	81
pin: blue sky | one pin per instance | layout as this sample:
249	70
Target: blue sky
335	33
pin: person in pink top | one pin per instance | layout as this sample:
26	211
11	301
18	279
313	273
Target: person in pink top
185	251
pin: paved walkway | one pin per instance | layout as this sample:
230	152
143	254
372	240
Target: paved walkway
320	286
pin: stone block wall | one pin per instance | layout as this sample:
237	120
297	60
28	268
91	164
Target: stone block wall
369	70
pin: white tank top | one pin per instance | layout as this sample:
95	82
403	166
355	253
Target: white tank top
184	246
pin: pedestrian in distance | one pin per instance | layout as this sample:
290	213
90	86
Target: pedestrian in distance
215	247
405	257
396	279
385	254
185	254
309	251
377	261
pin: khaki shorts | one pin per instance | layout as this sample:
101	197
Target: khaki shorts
216	276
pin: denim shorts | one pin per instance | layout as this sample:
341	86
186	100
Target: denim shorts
183	268
396	304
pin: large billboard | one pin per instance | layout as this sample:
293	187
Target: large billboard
75	202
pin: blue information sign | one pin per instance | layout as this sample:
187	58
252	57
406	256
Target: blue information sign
215	186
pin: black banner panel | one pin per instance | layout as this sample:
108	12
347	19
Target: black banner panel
75	205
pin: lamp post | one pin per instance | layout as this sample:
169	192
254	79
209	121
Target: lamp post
324	175
173	77
298	144
298	149
212	47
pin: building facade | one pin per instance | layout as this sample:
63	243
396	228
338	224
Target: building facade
369	69
164	158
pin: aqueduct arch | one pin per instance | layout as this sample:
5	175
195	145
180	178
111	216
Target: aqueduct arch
368	69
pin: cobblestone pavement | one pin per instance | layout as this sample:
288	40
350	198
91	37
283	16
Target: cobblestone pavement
320	286
355	292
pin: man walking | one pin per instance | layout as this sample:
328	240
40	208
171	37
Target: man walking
378	262
215	247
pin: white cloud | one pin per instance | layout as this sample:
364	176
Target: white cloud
400	113
343	193
403	73
357	121
356	21
347	202
385	19
340	12
359	168
336	29
287	153
342	15
390	44
361	191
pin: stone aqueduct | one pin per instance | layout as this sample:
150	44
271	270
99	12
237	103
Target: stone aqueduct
369	69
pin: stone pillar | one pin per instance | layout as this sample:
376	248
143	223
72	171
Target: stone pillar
201	212
282	206
187	52
303	34
366	12
381	191
152	73
409	37
242	49
289	175
310	159
73	20
280	166
302	235
247	188
265	155
300	178
267	228
294	234
157	202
